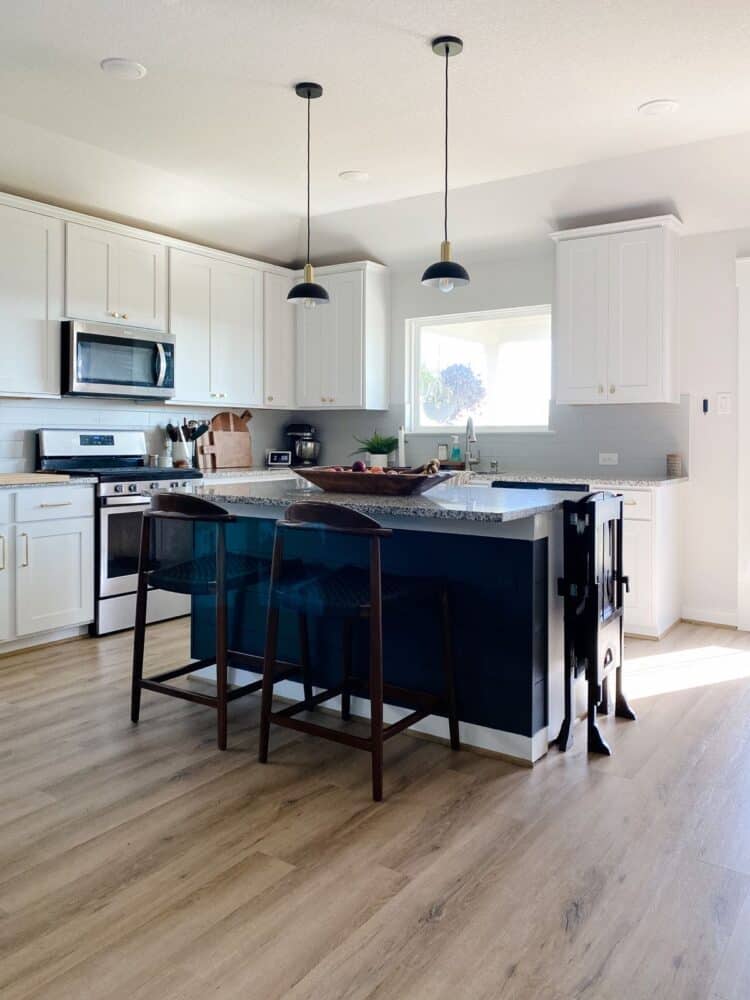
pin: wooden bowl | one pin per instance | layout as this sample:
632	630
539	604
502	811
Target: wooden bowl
375	483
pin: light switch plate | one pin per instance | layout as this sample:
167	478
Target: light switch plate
724	403
608	458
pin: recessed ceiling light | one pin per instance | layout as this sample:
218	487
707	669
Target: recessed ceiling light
661	106
354	175
123	69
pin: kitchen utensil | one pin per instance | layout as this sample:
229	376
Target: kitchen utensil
226	450
375	483
228	421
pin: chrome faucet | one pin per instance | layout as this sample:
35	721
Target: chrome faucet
470	457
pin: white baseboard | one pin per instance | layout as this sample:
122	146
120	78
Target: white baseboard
525	749
710	616
44	638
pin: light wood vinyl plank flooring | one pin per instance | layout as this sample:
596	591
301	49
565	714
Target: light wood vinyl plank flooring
139	862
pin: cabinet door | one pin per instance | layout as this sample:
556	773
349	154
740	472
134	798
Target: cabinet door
141	293
90	280
581	320
345	314
636	301
313	357
190	322
54	574
236	334
6	629
279	318
31	302
638	567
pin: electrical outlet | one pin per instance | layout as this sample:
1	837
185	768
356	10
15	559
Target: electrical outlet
724	403
608	458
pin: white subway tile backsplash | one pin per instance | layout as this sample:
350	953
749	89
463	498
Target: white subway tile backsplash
21	418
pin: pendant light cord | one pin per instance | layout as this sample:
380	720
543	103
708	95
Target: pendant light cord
445	194
308	178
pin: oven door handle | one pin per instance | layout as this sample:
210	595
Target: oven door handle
162	364
112	503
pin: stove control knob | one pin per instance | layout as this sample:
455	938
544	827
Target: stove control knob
132	488
118	488
173	486
154	486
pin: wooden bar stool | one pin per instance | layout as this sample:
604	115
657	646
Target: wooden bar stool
168	561
349	593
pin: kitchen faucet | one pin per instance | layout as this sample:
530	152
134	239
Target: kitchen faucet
470	458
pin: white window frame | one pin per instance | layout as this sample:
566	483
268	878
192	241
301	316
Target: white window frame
411	380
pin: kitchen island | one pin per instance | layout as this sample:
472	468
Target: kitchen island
501	552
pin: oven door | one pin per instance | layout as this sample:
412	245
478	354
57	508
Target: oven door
119	546
101	360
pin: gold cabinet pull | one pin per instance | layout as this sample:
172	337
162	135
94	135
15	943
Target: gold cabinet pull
601	389
25	549
64	503
2	552
612	389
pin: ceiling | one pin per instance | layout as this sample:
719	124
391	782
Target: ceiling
541	85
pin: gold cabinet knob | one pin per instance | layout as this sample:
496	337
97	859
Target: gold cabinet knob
115	315
124	315
601	389
322	399
270	399
612	390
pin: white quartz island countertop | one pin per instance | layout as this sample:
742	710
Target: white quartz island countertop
444	502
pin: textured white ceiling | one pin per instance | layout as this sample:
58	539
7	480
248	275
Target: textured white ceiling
541	84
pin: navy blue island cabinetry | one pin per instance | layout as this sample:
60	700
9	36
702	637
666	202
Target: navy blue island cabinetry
501	554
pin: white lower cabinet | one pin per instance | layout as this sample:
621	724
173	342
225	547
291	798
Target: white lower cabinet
6	629
651	557
46	560
54	574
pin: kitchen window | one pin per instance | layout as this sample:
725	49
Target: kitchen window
493	366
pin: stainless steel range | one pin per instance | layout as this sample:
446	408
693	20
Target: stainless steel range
117	459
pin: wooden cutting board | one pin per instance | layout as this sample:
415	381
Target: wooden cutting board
225	450
228	421
31	478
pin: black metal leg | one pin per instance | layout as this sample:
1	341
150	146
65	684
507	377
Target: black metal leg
565	736
139	639
304	646
269	666
348	642
449	669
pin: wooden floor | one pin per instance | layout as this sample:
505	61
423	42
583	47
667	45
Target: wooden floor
141	863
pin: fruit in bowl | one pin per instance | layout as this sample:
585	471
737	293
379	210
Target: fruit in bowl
377	469
337	468
359	466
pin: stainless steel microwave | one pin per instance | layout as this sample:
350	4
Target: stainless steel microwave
101	359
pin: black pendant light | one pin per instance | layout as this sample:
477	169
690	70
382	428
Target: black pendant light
307	292
446	274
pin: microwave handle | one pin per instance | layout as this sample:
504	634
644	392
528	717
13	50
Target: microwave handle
162	364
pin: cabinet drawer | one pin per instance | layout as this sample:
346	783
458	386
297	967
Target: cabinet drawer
43	504
636	505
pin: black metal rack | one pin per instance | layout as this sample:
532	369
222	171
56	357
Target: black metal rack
593	589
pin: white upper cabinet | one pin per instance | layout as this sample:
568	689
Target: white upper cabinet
614	335
31	302
216	315
114	278
342	347
279	341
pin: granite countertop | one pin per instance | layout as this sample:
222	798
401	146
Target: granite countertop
546	477
73	481
447	502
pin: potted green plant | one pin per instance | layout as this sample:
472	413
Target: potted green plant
377	448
